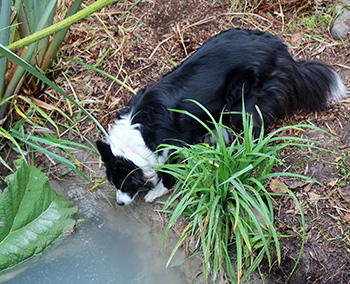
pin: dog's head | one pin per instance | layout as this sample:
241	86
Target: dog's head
122	173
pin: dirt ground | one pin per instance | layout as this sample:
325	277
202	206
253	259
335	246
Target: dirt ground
142	42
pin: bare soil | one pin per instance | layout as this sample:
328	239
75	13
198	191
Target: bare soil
147	38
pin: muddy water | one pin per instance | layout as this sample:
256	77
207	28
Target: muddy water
114	245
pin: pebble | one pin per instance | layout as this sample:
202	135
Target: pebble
341	26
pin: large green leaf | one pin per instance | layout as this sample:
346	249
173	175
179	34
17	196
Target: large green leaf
32	215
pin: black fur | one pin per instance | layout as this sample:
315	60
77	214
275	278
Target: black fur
228	65
217	74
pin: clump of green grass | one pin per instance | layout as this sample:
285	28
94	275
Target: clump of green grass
316	21
222	192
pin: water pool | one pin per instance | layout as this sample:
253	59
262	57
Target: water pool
114	245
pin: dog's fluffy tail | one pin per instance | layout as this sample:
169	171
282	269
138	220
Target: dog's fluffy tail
317	84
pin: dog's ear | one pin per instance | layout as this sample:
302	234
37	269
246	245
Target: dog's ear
105	150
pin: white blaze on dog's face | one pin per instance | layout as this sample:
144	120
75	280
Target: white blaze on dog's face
123	198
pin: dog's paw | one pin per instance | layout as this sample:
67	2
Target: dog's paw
150	196
156	192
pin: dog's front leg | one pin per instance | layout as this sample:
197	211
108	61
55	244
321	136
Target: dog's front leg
156	192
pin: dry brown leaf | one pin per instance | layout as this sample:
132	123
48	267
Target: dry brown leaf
342	147
347	217
296	184
42	104
332	183
308	187
297	37
319	50
278	186
338	159
314	196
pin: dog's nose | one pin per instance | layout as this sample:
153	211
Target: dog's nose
121	203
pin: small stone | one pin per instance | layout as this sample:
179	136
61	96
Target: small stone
340	30
341	26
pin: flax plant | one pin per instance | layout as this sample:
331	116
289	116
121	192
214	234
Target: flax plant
27	27
222	192
34	128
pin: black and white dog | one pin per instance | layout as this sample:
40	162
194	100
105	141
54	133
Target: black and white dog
232	63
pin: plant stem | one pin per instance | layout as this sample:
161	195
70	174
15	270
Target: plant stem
59	26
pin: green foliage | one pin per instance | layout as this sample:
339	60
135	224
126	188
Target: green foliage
29	17
40	121
32	215
32	23
222	193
